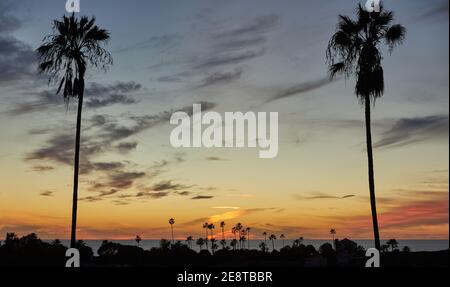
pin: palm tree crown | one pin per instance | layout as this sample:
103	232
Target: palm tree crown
65	54
354	49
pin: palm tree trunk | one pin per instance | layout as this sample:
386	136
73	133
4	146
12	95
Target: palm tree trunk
171	227
248	240
75	172
81	71
371	174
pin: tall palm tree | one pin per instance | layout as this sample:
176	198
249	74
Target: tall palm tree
282	239
205	226
265	237
222	225
172	222
272	237
233	230
354	49
65	56
211	227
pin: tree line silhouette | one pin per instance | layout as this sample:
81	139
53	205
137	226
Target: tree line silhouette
29	250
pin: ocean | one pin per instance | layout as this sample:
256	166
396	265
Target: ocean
414	245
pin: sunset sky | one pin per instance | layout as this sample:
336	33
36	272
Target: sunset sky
247	55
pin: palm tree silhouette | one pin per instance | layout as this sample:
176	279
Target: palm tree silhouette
138	239
211	228
272	237
205	226
333	233
354	50
282	239
265	237
239	229
172	222
222	225
233	230
65	56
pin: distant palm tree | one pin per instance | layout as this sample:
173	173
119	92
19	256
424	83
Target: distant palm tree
172	222
333	233
272	237
211	228
233	230
239	230
65	56
189	240
138	239
354	50
248	237
222	225
200	242
205	226
265	237
282	239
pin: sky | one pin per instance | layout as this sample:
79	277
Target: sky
247	55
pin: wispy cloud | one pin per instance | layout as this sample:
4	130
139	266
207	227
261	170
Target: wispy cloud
97	96
221	78
47	193
320	195
413	130
162	43
301	88
202	197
